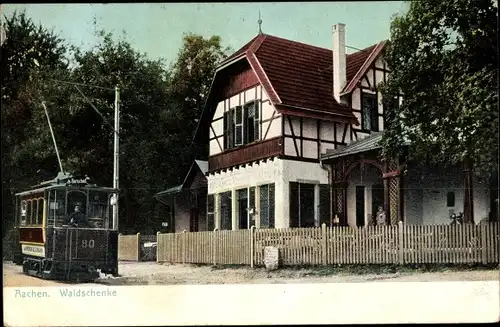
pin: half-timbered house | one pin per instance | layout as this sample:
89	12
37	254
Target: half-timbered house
293	132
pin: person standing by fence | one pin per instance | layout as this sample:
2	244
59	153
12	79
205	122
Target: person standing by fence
381	216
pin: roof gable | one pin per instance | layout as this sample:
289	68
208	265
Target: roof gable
296	76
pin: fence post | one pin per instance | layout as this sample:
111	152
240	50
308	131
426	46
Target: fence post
484	244
138	246
118	250
184	246
324	243
401	249
214	246
252	246
157	246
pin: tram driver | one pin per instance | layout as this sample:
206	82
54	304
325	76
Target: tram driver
78	219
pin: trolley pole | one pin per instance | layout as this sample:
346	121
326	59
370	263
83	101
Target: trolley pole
116	156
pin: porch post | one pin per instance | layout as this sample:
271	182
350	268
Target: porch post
386	192
468	193
392	191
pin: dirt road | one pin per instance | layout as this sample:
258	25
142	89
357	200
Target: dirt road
151	273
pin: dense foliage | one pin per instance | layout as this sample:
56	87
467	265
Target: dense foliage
158	109
443	60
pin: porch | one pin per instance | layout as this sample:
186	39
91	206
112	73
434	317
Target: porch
362	181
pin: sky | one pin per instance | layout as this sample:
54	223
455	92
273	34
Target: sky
157	28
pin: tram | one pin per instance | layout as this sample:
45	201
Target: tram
64	230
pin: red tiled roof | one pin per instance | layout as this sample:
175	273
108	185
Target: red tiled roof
356	60
299	75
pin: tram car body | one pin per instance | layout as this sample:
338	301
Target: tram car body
51	246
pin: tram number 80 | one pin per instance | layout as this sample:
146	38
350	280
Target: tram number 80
88	243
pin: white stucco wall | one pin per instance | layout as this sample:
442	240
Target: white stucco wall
426	196
277	171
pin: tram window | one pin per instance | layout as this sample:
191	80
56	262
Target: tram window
28	212
98	208
56	207
24	211
77	198
39	218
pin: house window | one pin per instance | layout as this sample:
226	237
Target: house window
267	206
210	212
252	121
324	204
241	125
369	112
301	205
450	199
225	211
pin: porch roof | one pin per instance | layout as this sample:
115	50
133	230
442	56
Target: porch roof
369	143
202	166
172	190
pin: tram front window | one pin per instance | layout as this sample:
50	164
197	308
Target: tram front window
98	208
77	201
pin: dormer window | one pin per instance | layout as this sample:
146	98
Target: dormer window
369	112
241	125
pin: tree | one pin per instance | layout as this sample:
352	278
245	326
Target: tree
31	56
192	75
158	111
443	61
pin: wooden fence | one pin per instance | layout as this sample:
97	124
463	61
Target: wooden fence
395	244
223	247
131	247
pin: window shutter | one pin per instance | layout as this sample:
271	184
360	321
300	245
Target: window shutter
264	206
271	205
226	131
230	129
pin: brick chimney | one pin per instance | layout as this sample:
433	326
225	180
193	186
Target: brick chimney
339	60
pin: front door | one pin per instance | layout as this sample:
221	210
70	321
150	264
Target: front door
360	205
193	224
377	198
242	203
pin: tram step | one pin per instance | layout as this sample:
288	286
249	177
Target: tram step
32	272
